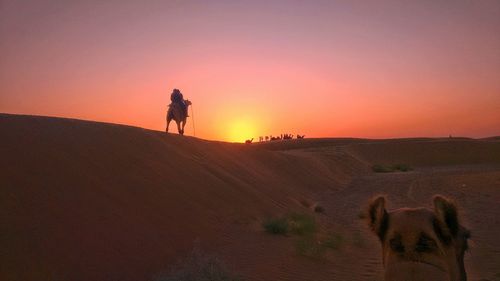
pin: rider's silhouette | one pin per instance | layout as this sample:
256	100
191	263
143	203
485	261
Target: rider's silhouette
176	97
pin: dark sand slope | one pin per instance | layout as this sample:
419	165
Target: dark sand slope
93	201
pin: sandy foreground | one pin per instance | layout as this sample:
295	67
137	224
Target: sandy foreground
84	200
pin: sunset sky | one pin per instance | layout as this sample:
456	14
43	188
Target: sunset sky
320	68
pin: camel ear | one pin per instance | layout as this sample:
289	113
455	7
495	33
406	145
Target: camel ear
377	216
447	216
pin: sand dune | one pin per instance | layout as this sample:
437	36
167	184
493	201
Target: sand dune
85	200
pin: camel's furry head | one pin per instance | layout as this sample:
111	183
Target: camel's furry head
420	243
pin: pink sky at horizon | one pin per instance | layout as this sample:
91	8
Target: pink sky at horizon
323	68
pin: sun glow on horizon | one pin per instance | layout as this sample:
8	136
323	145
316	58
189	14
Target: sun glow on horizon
240	130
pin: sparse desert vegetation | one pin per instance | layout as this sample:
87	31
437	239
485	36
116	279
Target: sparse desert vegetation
302	224
316	245
311	247
276	225
312	241
295	223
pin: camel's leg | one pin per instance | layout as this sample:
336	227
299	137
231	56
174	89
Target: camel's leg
179	127
183	125
168	123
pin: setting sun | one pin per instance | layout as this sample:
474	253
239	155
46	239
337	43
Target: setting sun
240	130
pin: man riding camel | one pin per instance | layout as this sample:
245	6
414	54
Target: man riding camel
176	97
178	111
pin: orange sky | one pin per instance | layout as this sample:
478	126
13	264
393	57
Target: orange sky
322	68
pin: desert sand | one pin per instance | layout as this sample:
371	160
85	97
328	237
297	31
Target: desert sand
84	200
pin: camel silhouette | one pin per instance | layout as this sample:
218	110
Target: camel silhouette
176	113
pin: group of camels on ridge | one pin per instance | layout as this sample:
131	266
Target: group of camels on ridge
280	137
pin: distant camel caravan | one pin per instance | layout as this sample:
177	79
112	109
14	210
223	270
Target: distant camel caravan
418	243
176	113
280	137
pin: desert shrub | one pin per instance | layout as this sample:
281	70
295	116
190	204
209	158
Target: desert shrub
319	209
276	225
402	167
377	168
310	247
296	223
302	224
199	267
333	241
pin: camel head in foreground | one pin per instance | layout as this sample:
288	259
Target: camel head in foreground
420	243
